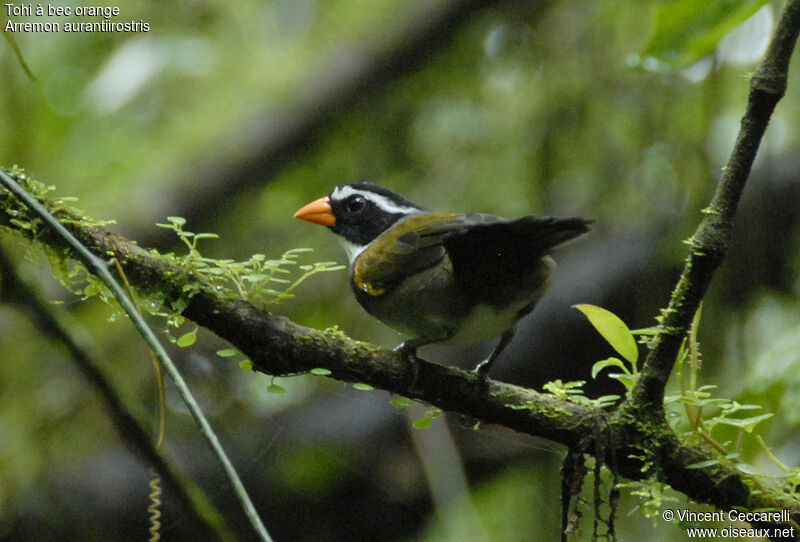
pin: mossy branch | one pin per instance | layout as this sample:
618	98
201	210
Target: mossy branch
710	243
635	438
278	346
204	514
33	215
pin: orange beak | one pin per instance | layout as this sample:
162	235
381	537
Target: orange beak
318	212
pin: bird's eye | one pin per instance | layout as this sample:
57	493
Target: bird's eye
355	204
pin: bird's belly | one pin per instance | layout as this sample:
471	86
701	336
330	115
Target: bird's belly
484	323
435	316
423	305
429	305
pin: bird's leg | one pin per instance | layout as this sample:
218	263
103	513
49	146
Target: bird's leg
483	367
408	349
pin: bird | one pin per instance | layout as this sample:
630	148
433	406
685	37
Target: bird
435	277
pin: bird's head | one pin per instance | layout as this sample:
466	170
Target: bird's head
358	212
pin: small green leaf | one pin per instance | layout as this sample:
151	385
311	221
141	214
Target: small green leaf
276	293
747	469
402	402
246	365
612	329
276	389
177	220
255	277
422	423
703	464
745	423
627	380
562	390
688	30
707	387
610	362
701	402
206	236
362	386
647	331
187	339
607	400
227	352
91	289
320	371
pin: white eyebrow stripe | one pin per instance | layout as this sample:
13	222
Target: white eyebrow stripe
344	192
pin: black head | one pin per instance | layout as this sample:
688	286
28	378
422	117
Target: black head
365	210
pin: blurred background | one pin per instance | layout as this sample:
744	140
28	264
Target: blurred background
233	115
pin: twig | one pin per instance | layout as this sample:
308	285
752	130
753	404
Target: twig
278	346
99	267
710	243
15	289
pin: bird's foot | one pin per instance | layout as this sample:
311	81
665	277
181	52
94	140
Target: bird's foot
482	369
409	352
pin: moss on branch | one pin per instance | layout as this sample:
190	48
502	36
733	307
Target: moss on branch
635	441
710	242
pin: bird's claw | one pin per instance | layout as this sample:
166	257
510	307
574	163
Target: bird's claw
482	369
409	353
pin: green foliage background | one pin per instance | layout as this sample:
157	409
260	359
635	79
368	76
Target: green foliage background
611	110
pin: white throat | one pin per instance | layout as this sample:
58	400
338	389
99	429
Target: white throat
352	249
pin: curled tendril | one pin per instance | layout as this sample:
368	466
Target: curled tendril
154	510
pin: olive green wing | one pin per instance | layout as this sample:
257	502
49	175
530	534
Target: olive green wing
414	244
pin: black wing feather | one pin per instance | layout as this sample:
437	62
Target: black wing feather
488	254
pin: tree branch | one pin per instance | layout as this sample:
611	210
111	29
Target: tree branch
202	512
40	216
278	346
710	243
636	435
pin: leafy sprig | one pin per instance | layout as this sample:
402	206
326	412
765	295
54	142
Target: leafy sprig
703	411
259	280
